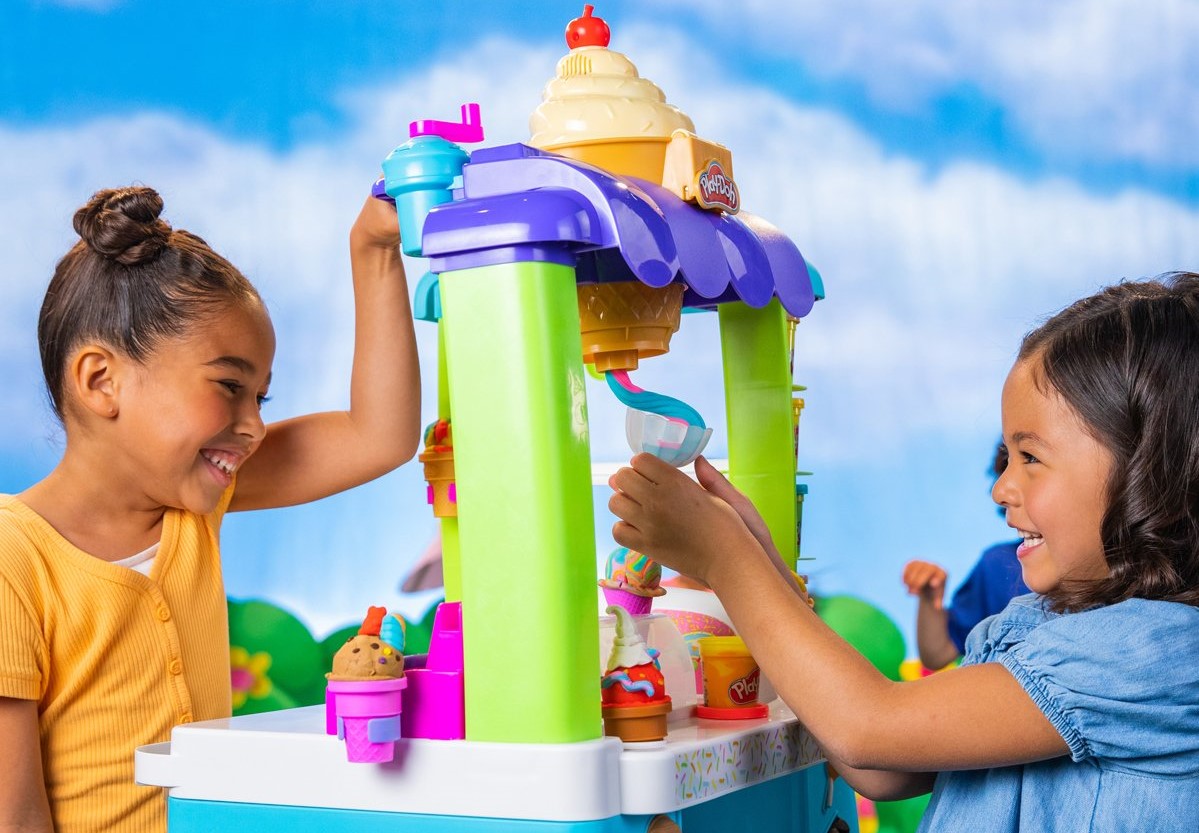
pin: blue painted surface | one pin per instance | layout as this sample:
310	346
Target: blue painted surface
190	816
793	803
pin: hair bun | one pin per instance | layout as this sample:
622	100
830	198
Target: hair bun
123	224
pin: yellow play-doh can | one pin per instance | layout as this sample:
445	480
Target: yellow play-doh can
730	673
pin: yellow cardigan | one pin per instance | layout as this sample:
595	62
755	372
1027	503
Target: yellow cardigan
114	658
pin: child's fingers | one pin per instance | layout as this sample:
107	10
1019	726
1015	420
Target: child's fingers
717	484
627	535
624	507
919	576
912	575
708	475
630	482
654	469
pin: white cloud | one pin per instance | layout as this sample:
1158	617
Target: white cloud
1097	79
932	278
932	275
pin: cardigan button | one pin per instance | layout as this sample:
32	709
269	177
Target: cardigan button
175	667
164	613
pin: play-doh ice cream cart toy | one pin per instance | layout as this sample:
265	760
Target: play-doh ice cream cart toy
581	246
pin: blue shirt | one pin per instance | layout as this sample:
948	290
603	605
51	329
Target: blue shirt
994	581
1121	685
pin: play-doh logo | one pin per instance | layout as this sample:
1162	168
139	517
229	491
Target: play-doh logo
716	189
744	692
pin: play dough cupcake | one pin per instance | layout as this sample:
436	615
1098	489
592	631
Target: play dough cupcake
598	109
633	689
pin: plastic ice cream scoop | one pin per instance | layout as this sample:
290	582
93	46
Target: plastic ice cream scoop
365	656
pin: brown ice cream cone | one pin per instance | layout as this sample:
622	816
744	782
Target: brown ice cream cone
626	321
439	472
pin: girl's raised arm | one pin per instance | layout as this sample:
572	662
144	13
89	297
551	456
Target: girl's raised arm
310	457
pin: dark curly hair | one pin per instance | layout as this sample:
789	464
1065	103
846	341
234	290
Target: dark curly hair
1127	361
130	282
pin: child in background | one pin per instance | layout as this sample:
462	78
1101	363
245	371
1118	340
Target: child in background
157	355
993	582
1076	709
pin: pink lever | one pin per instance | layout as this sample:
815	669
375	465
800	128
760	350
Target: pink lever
470	129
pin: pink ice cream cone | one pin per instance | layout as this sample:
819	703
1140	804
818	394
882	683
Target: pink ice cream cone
359	747
631	580
367	714
635	604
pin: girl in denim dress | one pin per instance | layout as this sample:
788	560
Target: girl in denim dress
1077	707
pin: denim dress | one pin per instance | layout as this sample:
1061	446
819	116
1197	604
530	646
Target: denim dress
1121	685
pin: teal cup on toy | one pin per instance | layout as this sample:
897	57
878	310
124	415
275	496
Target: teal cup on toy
419	175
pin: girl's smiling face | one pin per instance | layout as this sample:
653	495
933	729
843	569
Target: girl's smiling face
1054	489
191	412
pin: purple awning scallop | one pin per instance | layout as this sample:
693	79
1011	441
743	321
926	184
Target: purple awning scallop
521	202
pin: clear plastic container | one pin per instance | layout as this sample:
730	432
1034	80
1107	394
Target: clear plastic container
659	632
678	443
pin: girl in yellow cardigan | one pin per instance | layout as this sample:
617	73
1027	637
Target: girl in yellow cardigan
157	356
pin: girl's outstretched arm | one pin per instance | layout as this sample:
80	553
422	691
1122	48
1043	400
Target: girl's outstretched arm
967	718
23	804
311	457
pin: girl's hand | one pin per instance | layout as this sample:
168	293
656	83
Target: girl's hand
717	484
676	521
377	225
927	581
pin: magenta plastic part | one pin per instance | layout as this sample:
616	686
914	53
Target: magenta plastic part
436	706
634	604
467	131
364	712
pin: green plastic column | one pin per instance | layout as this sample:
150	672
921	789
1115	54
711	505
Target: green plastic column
523	466
757	391
451	565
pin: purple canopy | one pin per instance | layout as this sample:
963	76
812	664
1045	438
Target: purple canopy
521	203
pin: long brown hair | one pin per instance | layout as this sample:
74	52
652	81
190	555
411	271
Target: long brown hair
1127	361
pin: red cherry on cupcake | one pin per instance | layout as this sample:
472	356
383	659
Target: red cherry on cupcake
587	30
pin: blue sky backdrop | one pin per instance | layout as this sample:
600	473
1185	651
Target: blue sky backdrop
955	170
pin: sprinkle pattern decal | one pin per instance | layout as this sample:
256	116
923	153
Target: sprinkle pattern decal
730	765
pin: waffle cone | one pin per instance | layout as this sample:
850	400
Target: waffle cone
627	321
643	158
439	472
359	747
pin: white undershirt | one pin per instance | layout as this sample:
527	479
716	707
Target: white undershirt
142	562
